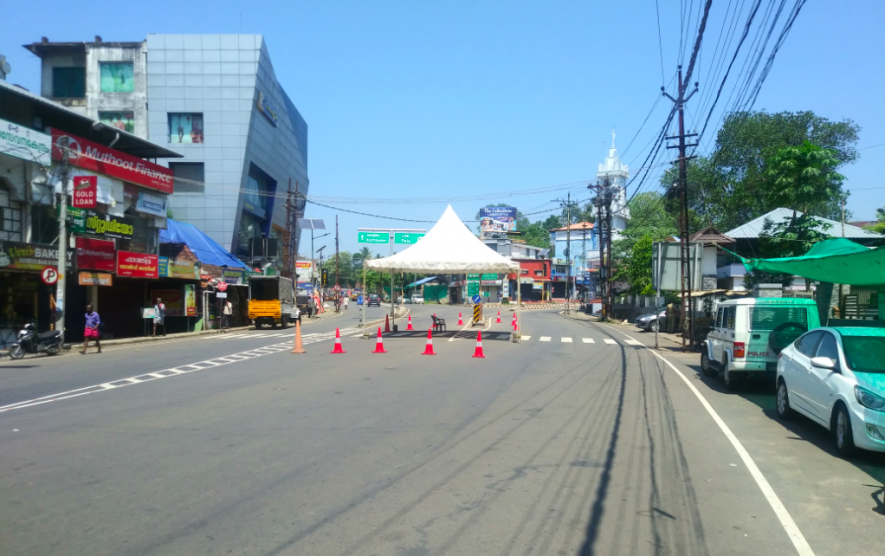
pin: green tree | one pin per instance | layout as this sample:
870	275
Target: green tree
803	178
733	185
638	266
344	268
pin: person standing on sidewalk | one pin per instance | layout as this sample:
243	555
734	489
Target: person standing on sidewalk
93	322
226	314
159	316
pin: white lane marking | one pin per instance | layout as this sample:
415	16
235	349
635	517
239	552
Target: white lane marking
798	539
799	542
566	340
175	371
588	340
544	338
224	336
634	343
526	338
610	342
466	326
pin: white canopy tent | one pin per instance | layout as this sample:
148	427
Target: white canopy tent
449	247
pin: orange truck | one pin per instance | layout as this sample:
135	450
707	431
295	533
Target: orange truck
272	301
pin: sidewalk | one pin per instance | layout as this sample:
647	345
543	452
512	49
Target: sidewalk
72	348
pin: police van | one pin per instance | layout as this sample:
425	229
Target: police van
748	334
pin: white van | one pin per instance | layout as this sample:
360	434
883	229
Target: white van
748	334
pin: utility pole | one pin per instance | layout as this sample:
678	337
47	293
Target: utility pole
64	177
684	246
337	279
568	244
602	202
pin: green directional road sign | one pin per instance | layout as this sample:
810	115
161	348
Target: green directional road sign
489	277
473	276
407	238
472	288
374	237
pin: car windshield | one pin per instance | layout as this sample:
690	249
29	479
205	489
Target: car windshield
865	354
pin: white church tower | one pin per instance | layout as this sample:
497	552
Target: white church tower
617	174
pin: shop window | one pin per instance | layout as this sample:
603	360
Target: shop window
124	120
117	77
68	82
185	128
191	171
10	217
539	273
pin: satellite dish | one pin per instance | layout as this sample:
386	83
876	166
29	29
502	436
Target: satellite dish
5	67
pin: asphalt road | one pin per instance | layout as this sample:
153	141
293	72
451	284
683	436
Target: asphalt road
543	447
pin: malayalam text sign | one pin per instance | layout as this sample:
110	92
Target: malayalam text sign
95	279
137	265
374	237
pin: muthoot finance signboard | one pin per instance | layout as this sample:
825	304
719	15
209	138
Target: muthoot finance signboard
111	162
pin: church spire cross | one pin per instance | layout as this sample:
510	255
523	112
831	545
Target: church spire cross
613	138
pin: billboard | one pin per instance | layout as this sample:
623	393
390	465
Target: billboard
495	222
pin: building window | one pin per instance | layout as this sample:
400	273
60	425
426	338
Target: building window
121	120
117	77
10	217
185	128
68	82
539	273
192	171
523	271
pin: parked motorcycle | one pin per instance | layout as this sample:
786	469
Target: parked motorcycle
29	341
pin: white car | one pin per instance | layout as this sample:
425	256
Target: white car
416	299
836	377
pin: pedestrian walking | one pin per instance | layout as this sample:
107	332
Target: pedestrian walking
93	322
160	316
226	313
346	301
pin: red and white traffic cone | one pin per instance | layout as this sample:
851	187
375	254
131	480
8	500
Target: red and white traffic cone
478	352
338	343
460	320
499	318
428	350
514	321
379	343
410	324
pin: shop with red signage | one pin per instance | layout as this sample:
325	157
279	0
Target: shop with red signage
117	209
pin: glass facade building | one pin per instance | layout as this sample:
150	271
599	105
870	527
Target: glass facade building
216	100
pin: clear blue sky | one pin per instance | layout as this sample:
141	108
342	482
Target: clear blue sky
451	98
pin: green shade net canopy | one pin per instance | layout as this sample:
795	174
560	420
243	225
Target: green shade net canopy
839	260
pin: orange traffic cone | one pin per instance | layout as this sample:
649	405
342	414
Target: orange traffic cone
478	352
338	343
410	324
387	324
460	320
499	318
299	347
428	350
379	344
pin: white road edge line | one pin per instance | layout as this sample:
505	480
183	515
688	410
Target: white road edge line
792	530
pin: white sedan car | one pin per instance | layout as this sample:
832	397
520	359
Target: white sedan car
836	377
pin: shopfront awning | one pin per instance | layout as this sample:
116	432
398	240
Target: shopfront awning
204	247
839	261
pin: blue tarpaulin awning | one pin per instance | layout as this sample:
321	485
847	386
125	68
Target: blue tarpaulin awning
419	282
203	246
